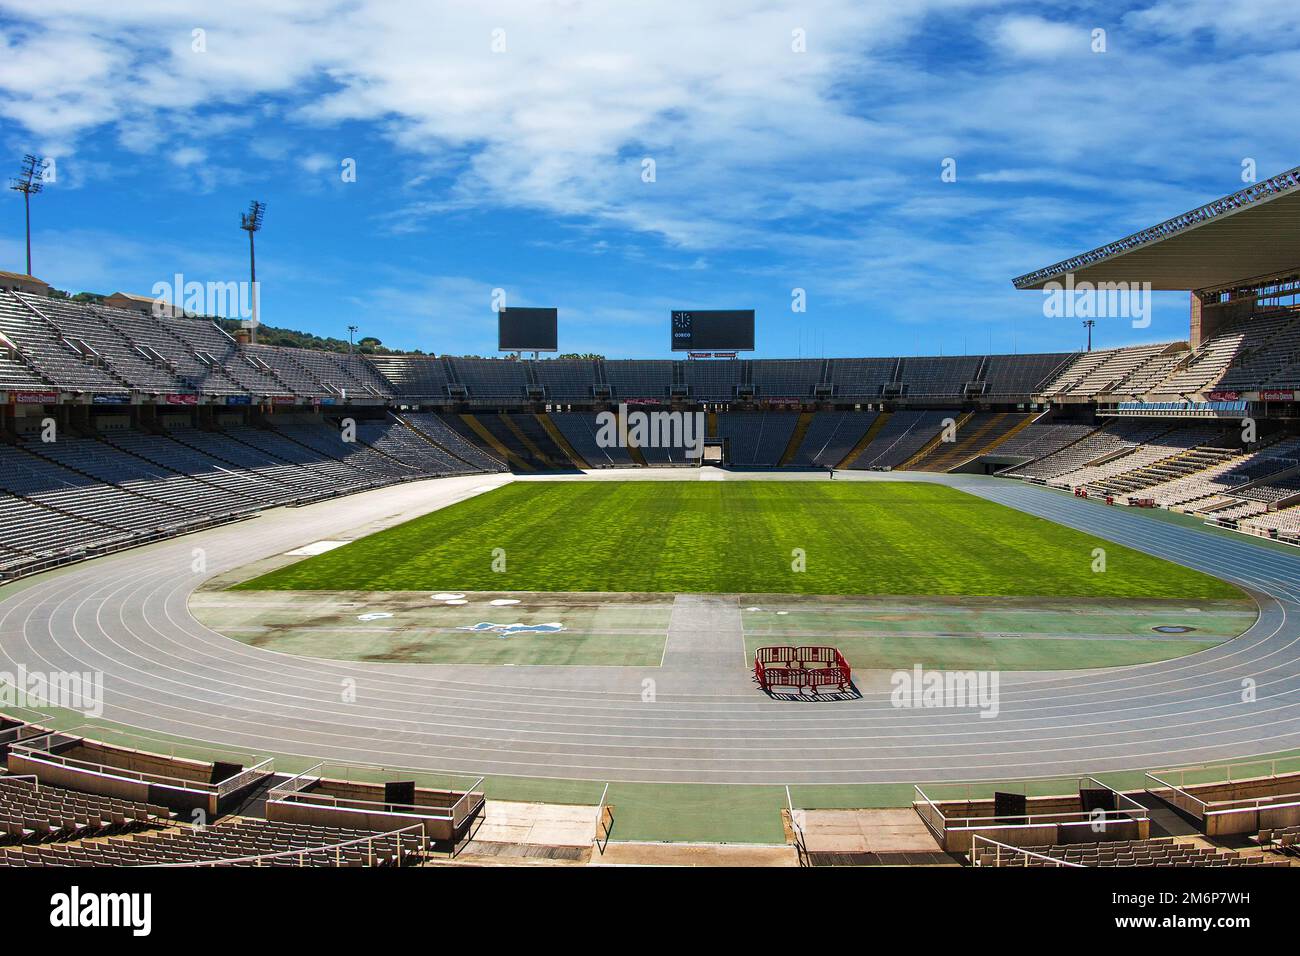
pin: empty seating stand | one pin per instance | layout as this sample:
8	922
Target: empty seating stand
1113	437
1044	438
79	496
831	436
580	430
37	813
1158	851
417	377
244	842
396	441
756	439
565	380
1286	840
441	432
492	381
130	365
902	436
57	357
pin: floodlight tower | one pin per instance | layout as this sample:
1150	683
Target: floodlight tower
251	222
352	330
1088	324
29	181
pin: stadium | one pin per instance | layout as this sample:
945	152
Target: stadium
1006	610
846	440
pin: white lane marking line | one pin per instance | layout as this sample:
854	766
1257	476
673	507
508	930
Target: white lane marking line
316	547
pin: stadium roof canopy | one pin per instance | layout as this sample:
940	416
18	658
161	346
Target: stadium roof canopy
1250	234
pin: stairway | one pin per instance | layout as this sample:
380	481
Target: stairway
498	449
979	442
563	443
796	439
865	440
933	443
529	445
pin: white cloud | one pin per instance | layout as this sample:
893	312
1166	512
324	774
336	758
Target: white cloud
1034	37
187	156
558	121
828	159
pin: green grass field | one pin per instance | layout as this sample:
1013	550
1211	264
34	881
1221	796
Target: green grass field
739	538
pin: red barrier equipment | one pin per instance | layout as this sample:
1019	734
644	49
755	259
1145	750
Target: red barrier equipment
801	667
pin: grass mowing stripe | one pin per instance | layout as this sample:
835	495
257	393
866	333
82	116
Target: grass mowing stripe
737	538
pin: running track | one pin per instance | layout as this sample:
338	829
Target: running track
126	615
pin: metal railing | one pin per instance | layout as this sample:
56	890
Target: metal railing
1006	851
929	813
937	820
11	733
1177	794
297	782
292	791
604	822
38	749
244	778
800	841
334	849
1180	798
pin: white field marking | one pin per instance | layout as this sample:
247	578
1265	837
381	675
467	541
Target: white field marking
446	596
456	601
1283	611
1114	682
316	547
668	748
984	769
462	682
503	602
1180	751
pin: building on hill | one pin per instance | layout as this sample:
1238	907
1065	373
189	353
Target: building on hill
19	282
142	303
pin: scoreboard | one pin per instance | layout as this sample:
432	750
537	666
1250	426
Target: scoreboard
713	330
527	330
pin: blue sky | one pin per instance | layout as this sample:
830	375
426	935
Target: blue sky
521	166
